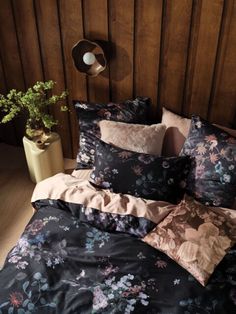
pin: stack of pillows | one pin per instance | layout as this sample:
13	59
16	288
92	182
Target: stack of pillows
163	162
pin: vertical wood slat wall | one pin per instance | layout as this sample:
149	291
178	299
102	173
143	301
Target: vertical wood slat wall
180	53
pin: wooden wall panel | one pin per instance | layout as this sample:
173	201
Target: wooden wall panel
148	19
96	28
50	42
223	105
174	52
3	87
72	31
11	59
180	53
26	29
207	17
121	31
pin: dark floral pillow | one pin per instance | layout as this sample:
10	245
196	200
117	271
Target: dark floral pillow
141	175
212	178
131	111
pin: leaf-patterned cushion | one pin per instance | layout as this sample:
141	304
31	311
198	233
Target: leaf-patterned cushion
197	237
138	174
212	177
89	114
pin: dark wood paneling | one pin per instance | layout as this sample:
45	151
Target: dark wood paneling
11	59
180	53
96	28
148	19
28	40
206	25
223	106
72	31
174	52
121	28
3	87
50	42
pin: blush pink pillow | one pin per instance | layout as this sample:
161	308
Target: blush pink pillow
177	129
147	139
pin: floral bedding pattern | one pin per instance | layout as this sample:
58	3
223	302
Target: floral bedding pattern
63	265
194	236
108	221
89	114
212	178
138	174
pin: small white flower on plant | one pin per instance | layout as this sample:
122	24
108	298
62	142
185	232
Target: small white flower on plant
231	167
115	171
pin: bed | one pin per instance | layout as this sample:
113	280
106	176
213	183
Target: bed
84	251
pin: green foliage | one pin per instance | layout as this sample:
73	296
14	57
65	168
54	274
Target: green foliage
34	103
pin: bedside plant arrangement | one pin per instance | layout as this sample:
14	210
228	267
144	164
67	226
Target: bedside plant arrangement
34	103
42	147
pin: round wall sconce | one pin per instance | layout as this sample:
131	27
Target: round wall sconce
89	57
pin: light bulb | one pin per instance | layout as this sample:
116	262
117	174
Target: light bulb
89	58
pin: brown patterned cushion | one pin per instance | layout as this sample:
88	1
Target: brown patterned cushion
197	237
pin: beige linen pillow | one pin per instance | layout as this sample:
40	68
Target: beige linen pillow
197	237
177	129
138	138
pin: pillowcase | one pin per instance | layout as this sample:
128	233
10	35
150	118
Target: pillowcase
212	177
88	114
177	130
135	137
195	236
141	175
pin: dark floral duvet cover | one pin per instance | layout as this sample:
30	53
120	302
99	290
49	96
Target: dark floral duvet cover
63	264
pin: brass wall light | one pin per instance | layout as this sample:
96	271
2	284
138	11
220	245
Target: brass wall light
89	57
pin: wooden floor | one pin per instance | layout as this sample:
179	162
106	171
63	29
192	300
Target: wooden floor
15	194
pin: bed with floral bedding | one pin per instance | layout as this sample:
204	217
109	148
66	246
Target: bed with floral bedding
82	252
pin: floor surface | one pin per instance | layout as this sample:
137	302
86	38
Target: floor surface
15	193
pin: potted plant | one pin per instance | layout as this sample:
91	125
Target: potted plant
35	104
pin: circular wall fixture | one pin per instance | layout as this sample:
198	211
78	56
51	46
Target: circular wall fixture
89	57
